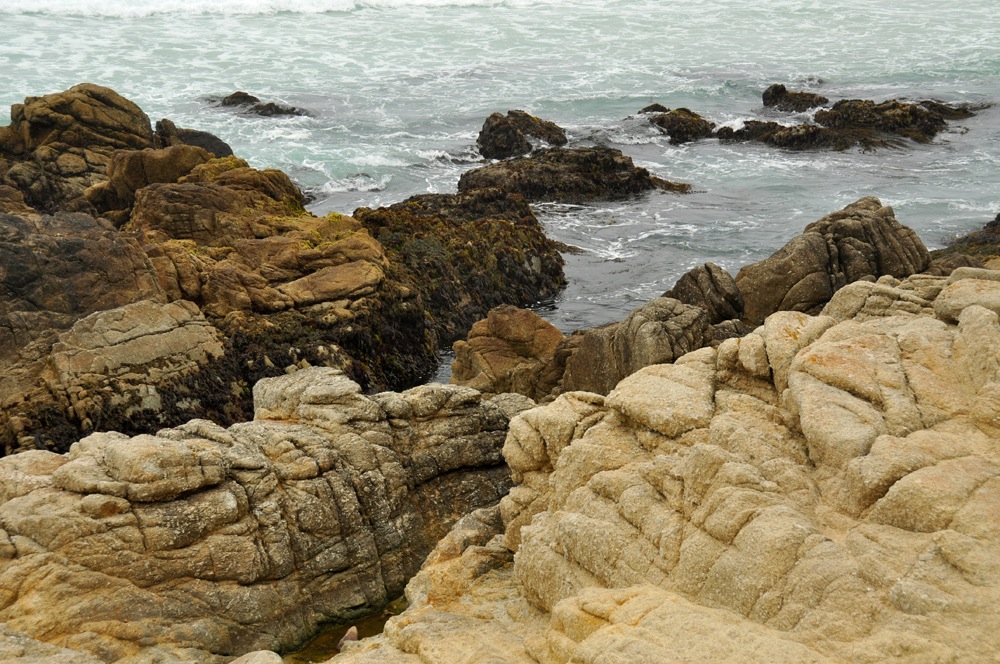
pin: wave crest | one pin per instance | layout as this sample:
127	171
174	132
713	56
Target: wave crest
145	8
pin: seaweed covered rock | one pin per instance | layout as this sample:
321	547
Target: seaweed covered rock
779	97
60	144
861	242
848	123
201	543
682	125
983	244
504	136
823	490
467	253
570	175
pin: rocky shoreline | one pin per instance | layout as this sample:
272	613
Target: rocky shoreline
215	441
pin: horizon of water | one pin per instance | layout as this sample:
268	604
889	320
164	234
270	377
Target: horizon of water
398	89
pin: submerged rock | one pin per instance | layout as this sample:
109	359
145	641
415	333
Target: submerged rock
248	103
504	136
822	490
569	175
201	543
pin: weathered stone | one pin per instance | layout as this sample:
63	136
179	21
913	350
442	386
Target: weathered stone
777	96
168	134
683	125
862	241
207	542
60	144
131	170
818	491
657	332
713	289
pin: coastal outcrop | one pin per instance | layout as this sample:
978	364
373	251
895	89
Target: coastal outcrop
467	253
825	489
235	249
779	97
848	123
514	350
568	175
60	144
201	543
511	135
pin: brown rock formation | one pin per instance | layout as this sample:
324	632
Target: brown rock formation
504	136
467	253
568	175
657	332
201	543
849	123
713	289
60	144
282	288
862	241
511	350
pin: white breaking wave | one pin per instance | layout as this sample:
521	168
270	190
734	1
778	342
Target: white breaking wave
145	8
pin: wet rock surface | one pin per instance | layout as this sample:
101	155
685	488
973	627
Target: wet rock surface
248	103
682	125
779	97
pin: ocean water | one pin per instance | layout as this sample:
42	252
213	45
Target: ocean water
398	89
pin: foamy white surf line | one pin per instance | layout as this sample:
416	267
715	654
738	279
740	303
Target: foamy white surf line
145	8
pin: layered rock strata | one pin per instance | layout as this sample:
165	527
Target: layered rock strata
825	489
202	543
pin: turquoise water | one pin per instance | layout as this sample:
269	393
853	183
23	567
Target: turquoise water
399	88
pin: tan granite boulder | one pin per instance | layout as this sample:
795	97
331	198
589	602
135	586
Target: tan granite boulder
825	489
